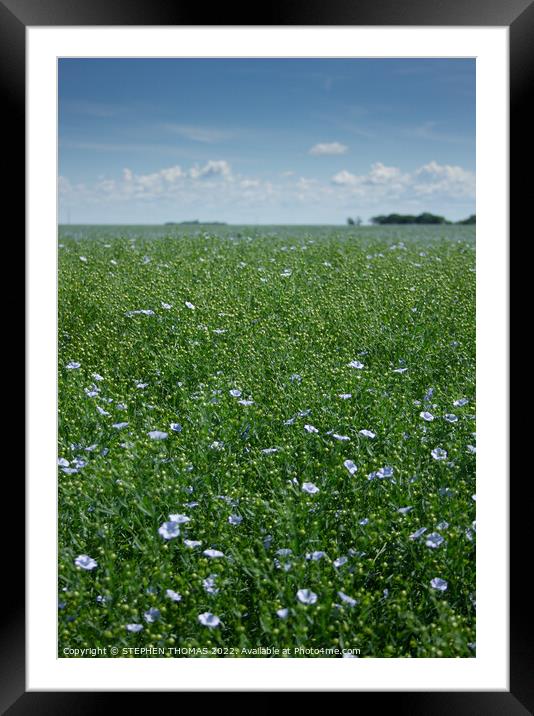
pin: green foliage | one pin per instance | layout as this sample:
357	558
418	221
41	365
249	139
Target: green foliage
470	220
279	314
424	218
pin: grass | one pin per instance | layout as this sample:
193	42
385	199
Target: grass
278	315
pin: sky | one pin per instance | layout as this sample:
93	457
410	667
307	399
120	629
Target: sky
264	141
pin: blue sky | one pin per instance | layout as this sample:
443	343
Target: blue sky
264	140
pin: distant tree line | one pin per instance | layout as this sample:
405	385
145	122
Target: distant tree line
470	220
424	218
195	222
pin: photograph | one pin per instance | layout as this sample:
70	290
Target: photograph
266	341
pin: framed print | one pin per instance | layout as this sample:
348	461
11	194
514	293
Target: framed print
259	330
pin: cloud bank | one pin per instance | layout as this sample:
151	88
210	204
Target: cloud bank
328	149
216	187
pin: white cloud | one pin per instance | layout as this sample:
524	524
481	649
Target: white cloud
430	179
207	135
328	149
434	178
211	169
170	183
249	183
345	178
172	173
213	189
380	174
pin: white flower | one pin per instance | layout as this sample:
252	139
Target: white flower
345	396
310	488
235	519
341	438
415	535
439	454
97	376
245	402
295	378
157	435
439	584
83	259
101	410
472	449
209	584
141	312
405	510
213	553
208	619
310	429
169	530
269	451
460	403
166	306
235	393
190	305
400	370
355	364
433	540
85	562
119	426
282	613
152	615
315	556
217	445
364	521
141	386
176	427
427	416
192	543
340	561
62	462
451	418
351	466
134	628
368	434
306	596
348	600
179	519
173	595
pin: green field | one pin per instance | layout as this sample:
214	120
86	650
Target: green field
268	350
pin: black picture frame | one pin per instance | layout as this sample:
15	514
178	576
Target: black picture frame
518	15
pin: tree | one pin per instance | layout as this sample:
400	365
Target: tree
424	218
470	220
